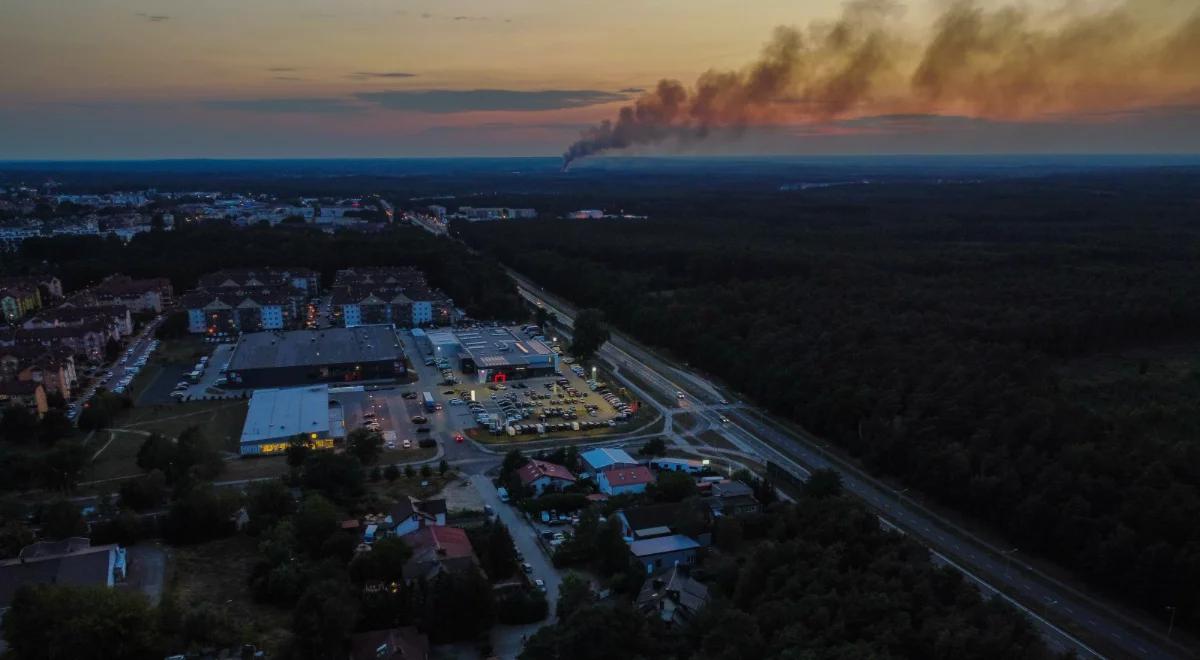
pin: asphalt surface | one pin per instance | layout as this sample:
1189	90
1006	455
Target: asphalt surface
139	346
1067	618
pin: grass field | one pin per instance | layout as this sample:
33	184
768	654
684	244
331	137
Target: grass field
684	421
115	454
714	439
220	420
216	574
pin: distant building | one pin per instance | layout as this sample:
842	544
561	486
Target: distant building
586	214
400	296
277	416
602	458
74	561
17	299
297	357
672	595
540	475
623	480
148	295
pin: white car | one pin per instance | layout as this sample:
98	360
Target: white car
679	395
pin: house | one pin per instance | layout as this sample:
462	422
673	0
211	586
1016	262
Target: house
622	480
540	475
27	393
400	296
148	295
664	551
689	465
73	561
405	643
672	595
410	514
18	299
438	549
731	497
654	520
595	460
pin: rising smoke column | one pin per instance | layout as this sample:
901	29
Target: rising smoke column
1002	65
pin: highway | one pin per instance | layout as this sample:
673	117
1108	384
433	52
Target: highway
1067	618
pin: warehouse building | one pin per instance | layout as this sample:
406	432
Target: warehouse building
277	416
301	357
492	354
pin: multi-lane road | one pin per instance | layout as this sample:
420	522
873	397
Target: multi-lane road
1068	618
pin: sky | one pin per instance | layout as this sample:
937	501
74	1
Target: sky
102	79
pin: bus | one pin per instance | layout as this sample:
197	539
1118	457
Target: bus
427	399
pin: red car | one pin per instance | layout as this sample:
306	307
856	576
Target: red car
459	438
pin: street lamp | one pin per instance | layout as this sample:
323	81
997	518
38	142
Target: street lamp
1171	626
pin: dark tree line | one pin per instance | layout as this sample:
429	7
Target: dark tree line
187	253
947	336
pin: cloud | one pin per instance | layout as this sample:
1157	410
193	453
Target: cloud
154	18
441	101
287	78
632	90
323	106
282	69
365	75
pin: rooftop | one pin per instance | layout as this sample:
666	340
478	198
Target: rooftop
294	348
498	347
662	545
628	476
536	469
602	457
284	413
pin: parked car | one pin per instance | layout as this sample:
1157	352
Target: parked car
420	419
527	567
423	429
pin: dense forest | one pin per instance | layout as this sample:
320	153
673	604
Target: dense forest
816	578
1023	350
476	284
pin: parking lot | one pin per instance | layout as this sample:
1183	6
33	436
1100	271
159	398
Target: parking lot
386	410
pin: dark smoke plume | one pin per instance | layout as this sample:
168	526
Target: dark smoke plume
1000	64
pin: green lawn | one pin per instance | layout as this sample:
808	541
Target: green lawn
220	420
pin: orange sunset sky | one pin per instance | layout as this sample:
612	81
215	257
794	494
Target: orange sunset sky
392	78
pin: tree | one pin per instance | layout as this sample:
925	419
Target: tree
298	450
157	453
391	473
145	492
17	424
823	483
654	447
80	623
200	514
426	471
315	522
63	465
54	426
338	476
14	535
112	350
574	593
443	467
589	334
674	487
267	503
384	563
174	326
62	519
323	619
365	445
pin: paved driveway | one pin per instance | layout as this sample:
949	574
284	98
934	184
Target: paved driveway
508	640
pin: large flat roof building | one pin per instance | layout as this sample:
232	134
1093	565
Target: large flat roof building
297	357
496	353
276	416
